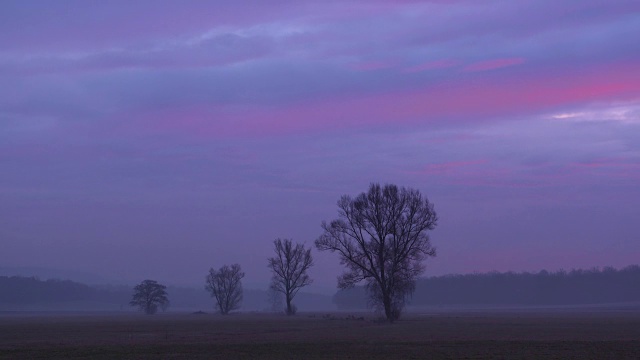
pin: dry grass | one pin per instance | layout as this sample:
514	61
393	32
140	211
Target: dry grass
437	336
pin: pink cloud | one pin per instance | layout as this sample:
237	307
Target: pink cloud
493	64
373	65
449	167
618	168
432	65
469	173
486	97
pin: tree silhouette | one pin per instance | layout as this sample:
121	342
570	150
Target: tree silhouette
381	237
289	268
148	295
226	287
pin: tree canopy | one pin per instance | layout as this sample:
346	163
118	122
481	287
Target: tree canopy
225	286
381	237
149	295
289	268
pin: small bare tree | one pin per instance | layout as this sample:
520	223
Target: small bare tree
226	287
381	237
149	295
289	268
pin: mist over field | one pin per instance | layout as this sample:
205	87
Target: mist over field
603	288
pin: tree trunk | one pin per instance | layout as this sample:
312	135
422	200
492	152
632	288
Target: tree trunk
289	309
388	309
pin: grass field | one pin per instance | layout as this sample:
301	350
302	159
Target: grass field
473	335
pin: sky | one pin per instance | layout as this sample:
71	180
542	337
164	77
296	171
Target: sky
156	139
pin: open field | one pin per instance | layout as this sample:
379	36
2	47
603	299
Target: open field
472	335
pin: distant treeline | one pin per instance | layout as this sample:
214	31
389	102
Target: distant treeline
31	293
576	287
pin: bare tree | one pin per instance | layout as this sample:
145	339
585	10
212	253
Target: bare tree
381	237
289	268
148	295
226	287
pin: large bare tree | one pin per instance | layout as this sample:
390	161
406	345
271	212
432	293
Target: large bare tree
149	295
381	237
289	268
225	286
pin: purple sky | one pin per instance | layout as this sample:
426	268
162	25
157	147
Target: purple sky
156	139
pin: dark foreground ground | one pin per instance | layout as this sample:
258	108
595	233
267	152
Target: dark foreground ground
513	335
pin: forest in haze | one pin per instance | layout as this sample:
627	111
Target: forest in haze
575	287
